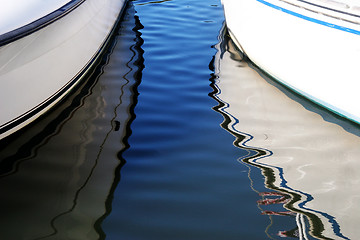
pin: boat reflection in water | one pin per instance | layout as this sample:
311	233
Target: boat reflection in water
311	166
68	194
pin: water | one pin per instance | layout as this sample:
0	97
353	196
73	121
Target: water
177	136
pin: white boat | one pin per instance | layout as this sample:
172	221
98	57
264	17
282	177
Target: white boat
311	46
46	47
313	161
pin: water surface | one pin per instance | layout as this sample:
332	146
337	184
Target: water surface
177	136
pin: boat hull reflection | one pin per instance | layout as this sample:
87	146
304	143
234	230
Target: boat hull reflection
315	162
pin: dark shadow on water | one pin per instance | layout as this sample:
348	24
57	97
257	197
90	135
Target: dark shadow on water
139	62
56	176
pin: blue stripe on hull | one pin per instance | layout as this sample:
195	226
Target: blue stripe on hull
327	24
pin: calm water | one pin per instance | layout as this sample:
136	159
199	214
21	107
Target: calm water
177	136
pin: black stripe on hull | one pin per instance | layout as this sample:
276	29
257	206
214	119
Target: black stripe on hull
40	23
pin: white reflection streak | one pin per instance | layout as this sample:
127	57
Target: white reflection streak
301	226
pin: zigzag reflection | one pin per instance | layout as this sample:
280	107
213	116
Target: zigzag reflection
292	148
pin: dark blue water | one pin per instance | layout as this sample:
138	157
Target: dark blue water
142	149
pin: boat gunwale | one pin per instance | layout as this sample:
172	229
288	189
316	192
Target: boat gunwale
326	7
324	10
40	23
353	28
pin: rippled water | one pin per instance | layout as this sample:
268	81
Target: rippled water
177	136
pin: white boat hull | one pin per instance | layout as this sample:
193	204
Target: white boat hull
39	69
311	49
